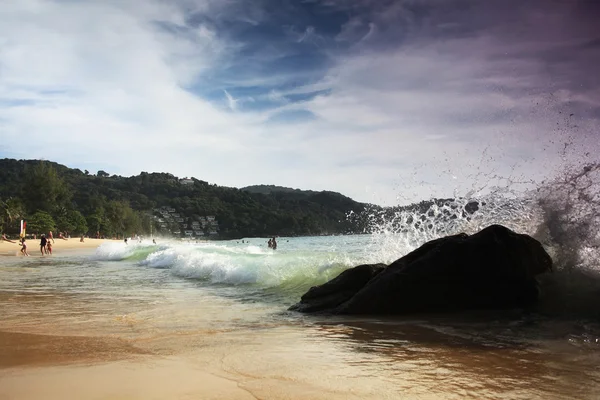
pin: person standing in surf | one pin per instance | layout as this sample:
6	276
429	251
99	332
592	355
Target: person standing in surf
24	247
273	244
43	243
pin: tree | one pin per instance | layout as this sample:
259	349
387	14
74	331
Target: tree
95	220
41	222
115	216
71	221
11	211
118	205
44	189
79	222
64	224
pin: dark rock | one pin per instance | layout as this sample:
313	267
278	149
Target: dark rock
494	268
337	290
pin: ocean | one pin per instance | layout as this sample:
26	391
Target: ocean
225	304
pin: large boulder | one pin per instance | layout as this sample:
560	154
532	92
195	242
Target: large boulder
492	269
339	289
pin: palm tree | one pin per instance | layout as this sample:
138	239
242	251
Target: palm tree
11	210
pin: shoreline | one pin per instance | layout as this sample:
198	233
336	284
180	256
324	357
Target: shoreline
59	247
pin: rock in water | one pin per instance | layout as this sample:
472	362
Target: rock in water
492	269
339	289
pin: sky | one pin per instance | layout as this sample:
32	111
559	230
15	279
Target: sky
385	101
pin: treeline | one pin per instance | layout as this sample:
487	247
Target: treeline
51	196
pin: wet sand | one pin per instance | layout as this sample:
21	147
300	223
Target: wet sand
185	365
42	360
52	365
19	349
58	367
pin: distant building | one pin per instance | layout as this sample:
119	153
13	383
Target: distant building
186	181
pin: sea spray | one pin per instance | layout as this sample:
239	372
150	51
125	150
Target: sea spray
571	232
117	251
399	230
562	214
571	211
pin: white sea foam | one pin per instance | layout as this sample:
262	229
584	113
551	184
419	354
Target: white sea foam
562	214
299	263
113	251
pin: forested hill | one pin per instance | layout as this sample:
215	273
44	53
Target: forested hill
52	196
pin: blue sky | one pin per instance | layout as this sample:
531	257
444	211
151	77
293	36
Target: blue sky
384	101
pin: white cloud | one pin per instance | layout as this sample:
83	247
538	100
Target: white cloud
308	32
230	100
104	83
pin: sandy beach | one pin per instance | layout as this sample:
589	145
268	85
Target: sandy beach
42	362
53	367
42	358
60	246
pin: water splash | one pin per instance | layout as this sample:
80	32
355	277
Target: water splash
571	211
399	230
562	213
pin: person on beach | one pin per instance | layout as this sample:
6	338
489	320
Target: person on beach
81	240
49	247
125	240
43	242
273	244
24	247
6	239
270	243
50	236
61	236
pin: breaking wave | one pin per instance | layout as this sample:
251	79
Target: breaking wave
563	214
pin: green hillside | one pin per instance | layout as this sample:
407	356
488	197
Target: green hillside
52	196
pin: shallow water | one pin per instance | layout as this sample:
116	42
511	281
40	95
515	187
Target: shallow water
224	305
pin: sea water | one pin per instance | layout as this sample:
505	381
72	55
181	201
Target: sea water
226	303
